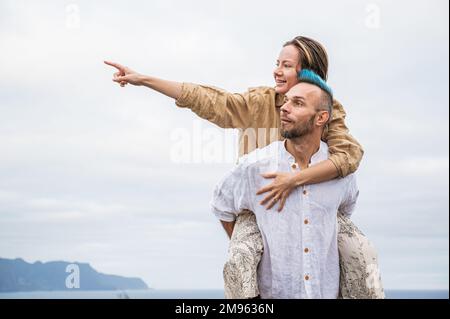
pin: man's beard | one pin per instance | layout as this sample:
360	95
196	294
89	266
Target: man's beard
300	131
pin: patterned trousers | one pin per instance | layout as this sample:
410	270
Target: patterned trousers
359	273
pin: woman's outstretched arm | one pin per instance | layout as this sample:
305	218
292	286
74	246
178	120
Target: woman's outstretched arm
125	75
226	110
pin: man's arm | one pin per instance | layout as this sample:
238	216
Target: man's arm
231	196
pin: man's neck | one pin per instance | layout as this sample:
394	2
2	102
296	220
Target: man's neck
303	148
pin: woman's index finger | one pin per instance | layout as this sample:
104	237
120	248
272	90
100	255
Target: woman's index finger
116	65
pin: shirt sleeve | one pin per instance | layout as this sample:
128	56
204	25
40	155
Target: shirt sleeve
232	195
348	203
227	110
345	151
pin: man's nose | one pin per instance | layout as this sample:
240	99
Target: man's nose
285	108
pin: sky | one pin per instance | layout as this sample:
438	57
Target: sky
88	170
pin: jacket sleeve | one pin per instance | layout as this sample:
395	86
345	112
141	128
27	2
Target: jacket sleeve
345	151
227	110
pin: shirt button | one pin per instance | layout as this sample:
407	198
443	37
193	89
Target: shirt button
294	165
305	192
306	277
306	221
306	250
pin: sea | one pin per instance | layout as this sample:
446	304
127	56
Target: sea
186	294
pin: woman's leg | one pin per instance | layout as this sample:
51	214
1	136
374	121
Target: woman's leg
360	276
244	255
359	279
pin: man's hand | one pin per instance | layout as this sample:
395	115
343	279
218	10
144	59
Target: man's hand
279	189
125	75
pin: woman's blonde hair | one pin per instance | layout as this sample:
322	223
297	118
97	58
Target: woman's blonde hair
313	55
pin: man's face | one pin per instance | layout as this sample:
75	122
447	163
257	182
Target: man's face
298	114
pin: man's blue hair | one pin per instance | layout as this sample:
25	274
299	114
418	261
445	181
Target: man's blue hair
309	76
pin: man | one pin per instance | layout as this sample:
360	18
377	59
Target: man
300	258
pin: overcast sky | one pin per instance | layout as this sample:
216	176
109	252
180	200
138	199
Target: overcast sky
87	171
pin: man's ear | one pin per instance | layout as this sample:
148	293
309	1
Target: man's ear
322	118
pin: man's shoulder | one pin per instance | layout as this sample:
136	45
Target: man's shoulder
350	179
347	183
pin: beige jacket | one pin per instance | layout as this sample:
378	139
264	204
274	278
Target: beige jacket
257	114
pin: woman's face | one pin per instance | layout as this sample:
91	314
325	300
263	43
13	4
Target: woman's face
285	74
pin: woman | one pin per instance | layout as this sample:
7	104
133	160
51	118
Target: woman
257	109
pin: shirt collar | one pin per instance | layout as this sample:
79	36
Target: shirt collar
319	156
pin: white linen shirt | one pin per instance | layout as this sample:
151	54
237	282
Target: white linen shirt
300	258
